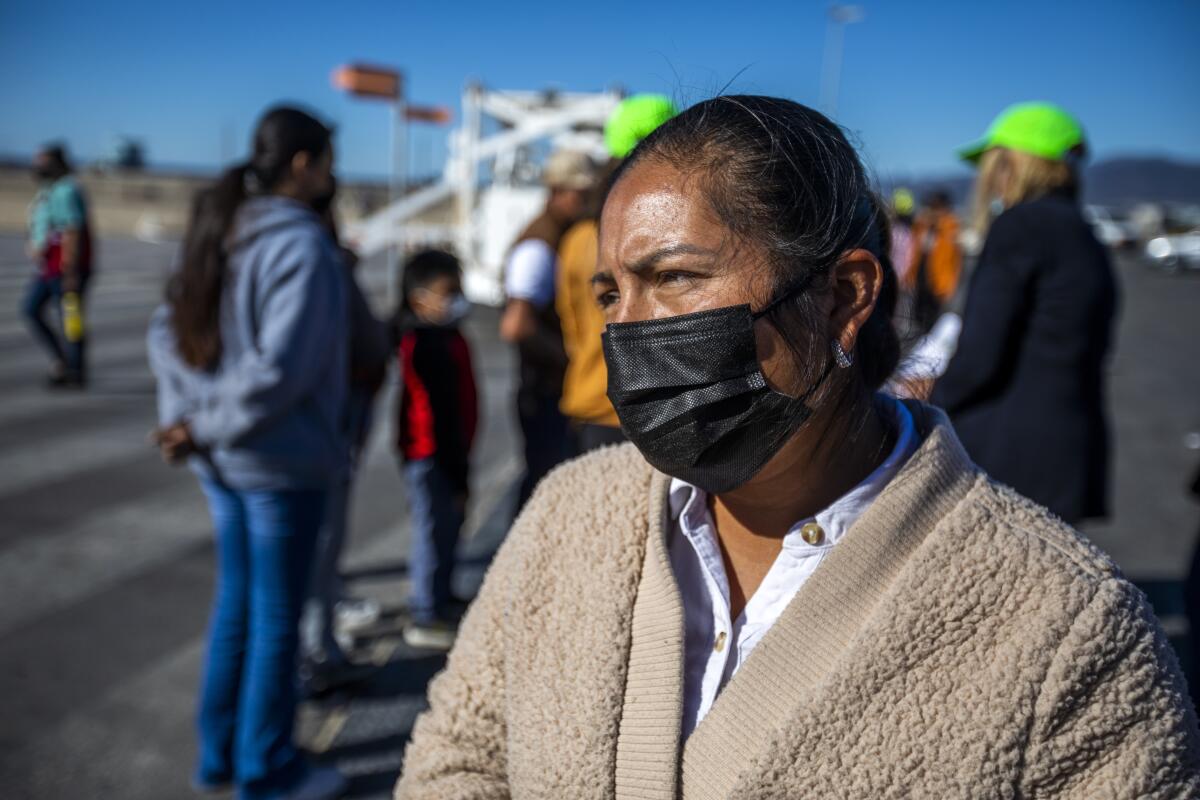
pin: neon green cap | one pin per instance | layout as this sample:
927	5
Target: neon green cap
634	119
1039	129
903	201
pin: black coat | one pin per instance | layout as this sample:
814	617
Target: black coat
1026	387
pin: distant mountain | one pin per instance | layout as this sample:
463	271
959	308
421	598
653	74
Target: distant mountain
1114	182
1124	181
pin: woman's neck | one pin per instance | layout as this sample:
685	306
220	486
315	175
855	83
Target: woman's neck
811	471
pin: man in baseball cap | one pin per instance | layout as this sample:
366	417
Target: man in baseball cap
569	170
529	320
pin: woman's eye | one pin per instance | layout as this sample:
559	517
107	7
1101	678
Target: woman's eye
674	277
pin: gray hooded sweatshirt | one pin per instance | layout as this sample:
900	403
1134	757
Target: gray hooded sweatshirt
270	416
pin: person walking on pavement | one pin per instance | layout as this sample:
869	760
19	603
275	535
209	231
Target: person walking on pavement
250	354
332	617
1026	385
585	385
60	243
531	323
437	416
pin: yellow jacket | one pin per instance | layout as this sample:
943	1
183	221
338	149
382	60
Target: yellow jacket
585	387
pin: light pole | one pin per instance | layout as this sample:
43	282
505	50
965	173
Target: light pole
382	83
399	176
831	68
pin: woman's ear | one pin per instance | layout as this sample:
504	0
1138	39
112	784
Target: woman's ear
857	282
300	163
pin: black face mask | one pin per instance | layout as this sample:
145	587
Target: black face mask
691	396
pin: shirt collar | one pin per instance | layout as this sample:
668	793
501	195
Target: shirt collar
689	504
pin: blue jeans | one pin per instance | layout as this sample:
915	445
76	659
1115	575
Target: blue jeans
41	292
265	543
436	521
326	589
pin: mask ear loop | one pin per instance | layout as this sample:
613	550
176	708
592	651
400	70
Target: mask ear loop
799	405
783	296
786	294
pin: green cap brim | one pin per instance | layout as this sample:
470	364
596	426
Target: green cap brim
973	152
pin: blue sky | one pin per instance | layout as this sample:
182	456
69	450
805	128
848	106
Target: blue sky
919	78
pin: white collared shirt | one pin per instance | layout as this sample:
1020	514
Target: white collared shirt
715	646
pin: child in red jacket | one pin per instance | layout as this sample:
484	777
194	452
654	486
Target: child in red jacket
435	425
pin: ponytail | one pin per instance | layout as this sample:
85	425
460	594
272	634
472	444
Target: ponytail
194	292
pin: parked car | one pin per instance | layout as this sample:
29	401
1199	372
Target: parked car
1110	229
1175	252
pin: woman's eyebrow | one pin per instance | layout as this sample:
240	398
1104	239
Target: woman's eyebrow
647	262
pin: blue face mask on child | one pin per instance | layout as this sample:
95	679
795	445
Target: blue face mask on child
457	310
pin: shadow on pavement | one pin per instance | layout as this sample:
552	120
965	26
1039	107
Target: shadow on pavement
399	568
409	675
373	784
402	677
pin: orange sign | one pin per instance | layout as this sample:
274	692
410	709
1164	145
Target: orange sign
367	81
438	115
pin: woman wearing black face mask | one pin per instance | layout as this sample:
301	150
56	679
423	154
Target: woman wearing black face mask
250	353
788	584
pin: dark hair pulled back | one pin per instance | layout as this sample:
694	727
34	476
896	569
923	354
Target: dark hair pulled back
784	176
422	269
194	291
55	154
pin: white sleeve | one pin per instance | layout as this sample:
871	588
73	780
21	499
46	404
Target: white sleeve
931	355
530	273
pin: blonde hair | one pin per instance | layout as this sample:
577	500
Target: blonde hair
1013	177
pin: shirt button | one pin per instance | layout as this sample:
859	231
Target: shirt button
720	643
812	533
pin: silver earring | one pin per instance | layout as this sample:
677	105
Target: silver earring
840	356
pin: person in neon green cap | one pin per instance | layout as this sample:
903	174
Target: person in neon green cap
1028	150
1025	388
634	119
584	399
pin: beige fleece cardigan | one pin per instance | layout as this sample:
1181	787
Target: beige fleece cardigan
959	642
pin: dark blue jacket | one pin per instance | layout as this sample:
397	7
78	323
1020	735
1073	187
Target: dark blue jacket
1026	386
